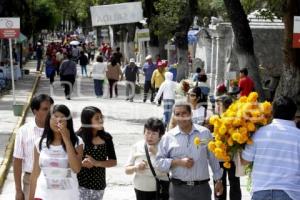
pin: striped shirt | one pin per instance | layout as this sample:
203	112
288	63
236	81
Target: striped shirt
177	145
24	144
275	153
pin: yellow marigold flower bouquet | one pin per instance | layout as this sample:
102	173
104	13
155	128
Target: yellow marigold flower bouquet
233	129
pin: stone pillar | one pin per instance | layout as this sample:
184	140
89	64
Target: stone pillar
217	67
212	66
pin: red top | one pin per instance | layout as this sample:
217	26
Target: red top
246	86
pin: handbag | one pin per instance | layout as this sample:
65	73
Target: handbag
162	187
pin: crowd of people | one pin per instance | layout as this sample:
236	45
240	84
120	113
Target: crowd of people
58	162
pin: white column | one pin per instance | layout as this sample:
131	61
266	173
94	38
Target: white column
217	75
212	70
12	72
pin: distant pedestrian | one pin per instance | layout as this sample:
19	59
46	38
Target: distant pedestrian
118	56
99	74
98	154
205	89
24	144
39	55
68	73
57	158
131	73
148	70
246	84
167	91
83	62
113	75
50	69
158	77
144	181
75	52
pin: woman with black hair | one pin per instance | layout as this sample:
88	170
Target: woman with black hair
198	110
58	156
99	153
113	75
145	184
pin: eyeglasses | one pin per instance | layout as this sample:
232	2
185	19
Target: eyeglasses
192	95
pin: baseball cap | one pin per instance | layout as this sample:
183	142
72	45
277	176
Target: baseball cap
131	60
148	57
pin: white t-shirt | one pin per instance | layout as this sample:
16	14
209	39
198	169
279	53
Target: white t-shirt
24	144
99	70
56	180
198	115
144	180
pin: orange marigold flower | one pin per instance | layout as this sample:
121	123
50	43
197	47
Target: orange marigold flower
227	165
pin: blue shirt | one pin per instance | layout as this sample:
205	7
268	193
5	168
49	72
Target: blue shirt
275	153
177	145
148	70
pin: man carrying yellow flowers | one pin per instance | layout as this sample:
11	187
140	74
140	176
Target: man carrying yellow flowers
275	154
224	134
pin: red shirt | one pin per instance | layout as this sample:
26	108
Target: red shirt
246	86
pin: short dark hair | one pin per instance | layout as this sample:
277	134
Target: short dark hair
155	124
202	78
183	104
198	70
99	59
244	71
37	100
118	49
284	108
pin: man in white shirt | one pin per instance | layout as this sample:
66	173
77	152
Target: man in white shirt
24	144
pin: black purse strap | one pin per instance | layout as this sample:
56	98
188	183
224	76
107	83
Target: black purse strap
149	161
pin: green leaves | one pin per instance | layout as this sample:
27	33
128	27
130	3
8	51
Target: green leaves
168	17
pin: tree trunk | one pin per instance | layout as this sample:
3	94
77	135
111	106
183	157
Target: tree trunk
181	39
243	42
289	84
149	13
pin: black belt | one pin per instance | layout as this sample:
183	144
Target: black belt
27	173
189	183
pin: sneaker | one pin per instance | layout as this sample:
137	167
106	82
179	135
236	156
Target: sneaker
144	100
127	99
131	100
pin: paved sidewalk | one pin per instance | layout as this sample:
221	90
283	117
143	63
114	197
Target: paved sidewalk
9	122
124	120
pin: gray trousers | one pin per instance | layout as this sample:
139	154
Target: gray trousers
185	192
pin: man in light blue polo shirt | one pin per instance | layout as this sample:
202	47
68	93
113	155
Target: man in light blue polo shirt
275	154
187	162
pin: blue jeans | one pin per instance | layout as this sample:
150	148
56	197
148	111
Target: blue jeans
38	64
83	70
270	195
168	106
98	84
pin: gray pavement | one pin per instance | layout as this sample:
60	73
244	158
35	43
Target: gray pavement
124	120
